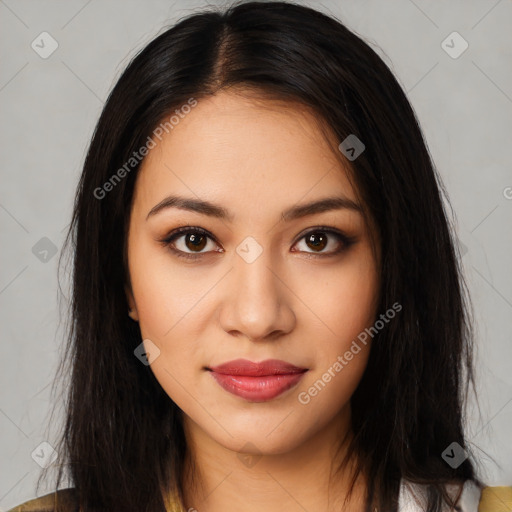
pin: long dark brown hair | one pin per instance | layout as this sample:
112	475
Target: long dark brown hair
123	441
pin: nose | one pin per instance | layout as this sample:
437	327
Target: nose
257	302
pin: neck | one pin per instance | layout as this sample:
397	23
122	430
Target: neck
303	478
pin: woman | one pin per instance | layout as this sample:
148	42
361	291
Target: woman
268	309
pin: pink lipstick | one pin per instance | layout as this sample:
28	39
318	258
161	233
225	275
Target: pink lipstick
257	382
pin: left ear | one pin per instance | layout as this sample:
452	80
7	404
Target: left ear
132	312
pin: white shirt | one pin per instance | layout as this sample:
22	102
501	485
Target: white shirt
413	497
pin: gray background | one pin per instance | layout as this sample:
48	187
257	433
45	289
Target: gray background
49	108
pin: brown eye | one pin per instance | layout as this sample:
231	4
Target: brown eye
195	242
317	241
189	242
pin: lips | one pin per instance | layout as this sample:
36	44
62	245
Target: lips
257	382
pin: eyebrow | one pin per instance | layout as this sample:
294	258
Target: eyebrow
214	210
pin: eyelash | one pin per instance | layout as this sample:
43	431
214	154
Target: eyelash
345	240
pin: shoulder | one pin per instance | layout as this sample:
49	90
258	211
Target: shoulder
66	499
496	499
413	497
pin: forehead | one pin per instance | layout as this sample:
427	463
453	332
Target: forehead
243	153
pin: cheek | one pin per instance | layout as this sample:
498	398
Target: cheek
168	306
344	306
168	296
343	301
171	314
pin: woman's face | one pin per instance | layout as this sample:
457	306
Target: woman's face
264	278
